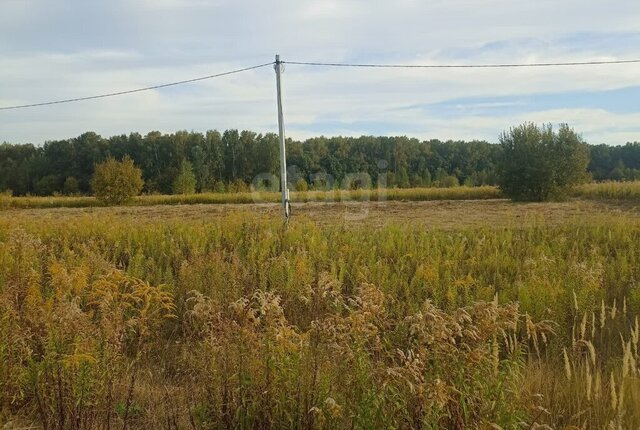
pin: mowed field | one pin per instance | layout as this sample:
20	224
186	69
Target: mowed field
390	314
437	214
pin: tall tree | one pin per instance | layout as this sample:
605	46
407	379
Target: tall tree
538	163
185	181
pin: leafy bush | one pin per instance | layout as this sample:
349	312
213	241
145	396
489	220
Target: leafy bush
449	181
238	186
539	164
301	185
115	182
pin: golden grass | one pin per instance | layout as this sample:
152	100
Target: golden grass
114	317
609	190
412	194
605	190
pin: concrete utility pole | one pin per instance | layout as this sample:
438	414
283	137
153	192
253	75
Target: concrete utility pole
286	207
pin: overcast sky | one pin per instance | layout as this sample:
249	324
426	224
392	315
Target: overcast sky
53	50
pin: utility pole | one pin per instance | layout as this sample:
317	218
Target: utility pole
286	207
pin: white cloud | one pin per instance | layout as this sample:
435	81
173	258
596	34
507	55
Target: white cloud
49	51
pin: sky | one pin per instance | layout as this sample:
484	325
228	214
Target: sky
51	50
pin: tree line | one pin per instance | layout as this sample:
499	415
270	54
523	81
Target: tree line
235	160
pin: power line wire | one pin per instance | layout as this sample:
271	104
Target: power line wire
460	66
327	64
137	90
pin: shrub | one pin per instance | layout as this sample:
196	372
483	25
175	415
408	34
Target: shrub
301	185
449	181
238	186
538	164
115	182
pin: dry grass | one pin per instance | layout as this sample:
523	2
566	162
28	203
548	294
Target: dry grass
610	190
598	191
412	194
214	316
445	214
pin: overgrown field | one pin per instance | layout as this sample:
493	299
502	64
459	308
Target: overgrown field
124	320
413	194
604	190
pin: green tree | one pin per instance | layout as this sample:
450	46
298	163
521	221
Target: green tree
185	182
115	182
48	185
618	172
71	186
402	177
538	164
426	178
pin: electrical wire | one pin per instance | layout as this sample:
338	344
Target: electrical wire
137	90
322	64
460	66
